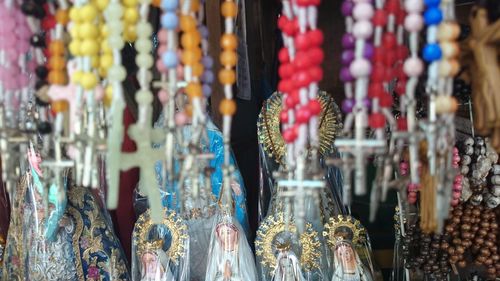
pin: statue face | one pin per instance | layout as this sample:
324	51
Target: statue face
150	265
227	235
346	256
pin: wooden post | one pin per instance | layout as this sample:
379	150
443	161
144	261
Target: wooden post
214	24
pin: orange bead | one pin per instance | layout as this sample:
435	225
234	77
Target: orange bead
59	106
229	9
56	63
229	41
228	58
190	40
227	77
62	16
197	69
187	23
156	3
195	5
56	77
188	109
194	90
227	107
56	47
190	57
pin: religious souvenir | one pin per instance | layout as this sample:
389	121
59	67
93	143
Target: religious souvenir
272	152
350	249
280	250
230	257
160	251
287	265
480	56
83	248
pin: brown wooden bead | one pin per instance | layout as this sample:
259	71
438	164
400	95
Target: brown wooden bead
491	270
479	241
485	252
460	250
462	264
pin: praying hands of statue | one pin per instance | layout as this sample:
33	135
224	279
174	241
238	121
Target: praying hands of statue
227	271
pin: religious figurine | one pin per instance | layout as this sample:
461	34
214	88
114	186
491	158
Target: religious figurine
207	178
480	55
152	268
347	264
160	251
350	249
230	257
273	150
288	268
281	252
83	247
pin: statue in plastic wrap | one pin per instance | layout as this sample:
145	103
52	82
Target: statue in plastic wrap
230	257
284	255
199	213
273	150
81	247
350	249
161	252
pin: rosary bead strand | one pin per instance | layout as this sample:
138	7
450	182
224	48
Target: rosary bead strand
227	77
116	74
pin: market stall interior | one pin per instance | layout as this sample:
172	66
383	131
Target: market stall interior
239	140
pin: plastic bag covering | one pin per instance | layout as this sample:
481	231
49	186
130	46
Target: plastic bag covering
84	246
212	143
350	250
230	257
284	255
56	198
271	157
160	251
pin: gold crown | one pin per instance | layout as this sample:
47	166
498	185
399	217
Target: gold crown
149	246
176	227
286	246
344	228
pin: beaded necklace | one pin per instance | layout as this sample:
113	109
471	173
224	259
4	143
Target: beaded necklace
113	98
227	77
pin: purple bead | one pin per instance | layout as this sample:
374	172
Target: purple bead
347	7
347	57
207	90
369	50
346	75
348	41
208	77
203	31
367	103
207	61
347	105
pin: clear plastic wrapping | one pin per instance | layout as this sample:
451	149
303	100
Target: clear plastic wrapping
350	250
285	255
230	257
160	251
83	246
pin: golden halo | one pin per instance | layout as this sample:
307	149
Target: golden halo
342	228
269	125
174	224
274	225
